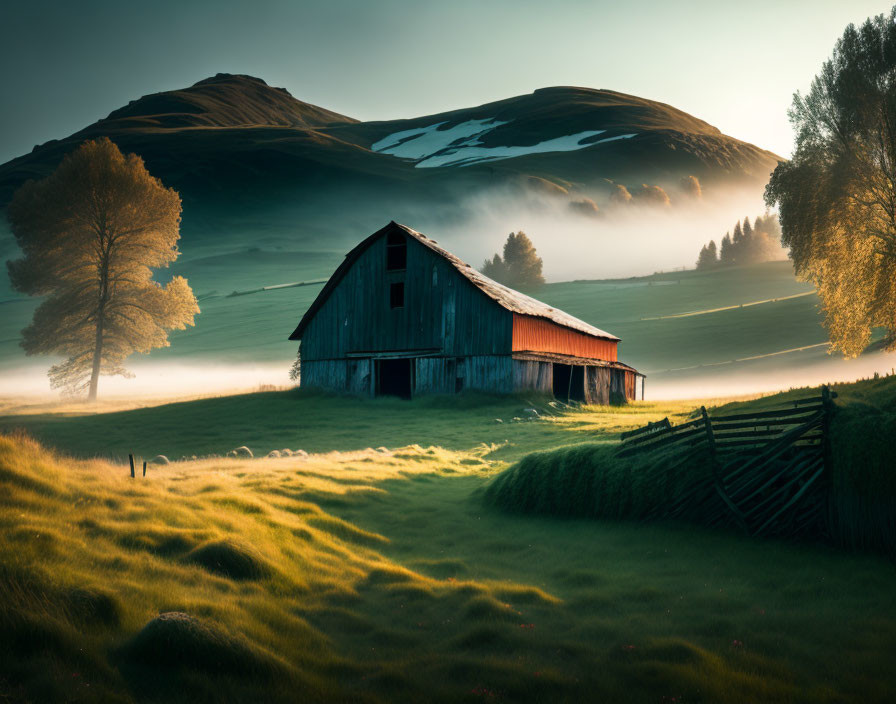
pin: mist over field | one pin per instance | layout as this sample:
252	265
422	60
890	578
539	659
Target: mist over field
153	380
239	343
616	241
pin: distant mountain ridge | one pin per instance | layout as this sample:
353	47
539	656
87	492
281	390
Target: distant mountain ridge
233	141
224	100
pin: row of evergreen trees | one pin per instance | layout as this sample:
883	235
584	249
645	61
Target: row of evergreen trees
750	244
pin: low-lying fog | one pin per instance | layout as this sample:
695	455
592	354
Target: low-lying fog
156	381
619	239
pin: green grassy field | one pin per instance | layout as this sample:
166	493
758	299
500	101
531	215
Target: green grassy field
677	482
383	575
252	329
317	422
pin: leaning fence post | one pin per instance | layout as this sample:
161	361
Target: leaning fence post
720	487
826	426
826	410
144	468
710	438
131	460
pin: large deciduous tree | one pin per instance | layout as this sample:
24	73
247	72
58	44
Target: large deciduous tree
91	232
837	195
521	265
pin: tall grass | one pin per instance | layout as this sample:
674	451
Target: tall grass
592	480
863	491
377	576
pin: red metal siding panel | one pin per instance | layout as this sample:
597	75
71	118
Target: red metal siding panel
532	334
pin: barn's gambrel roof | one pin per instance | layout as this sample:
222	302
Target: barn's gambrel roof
508	298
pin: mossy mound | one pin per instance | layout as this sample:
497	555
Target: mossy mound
229	560
591	480
91	606
177	640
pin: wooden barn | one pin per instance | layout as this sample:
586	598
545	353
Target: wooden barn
402	316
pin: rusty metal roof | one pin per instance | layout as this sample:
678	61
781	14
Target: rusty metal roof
502	295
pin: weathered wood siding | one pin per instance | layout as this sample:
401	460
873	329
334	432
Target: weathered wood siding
597	385
625	383
433	375
493	373
353	376
436	375
442	311
531	334
489	373
533	376
631	386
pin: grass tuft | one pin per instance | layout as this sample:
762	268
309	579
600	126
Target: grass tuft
229	559
591	480
382	587
863	492
181	641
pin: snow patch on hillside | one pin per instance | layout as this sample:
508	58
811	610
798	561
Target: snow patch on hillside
426	141
461	145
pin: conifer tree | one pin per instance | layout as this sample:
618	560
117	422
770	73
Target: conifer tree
521	266
494	268
703	258
760	225
726	254
708	257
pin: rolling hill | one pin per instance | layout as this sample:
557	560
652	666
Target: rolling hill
235	147
276	190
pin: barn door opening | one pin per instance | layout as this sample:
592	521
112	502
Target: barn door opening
562	377
394	377
569	382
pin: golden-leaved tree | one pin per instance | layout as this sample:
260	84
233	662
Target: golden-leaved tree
91	233
837	195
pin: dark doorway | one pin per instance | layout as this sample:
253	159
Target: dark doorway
394	377
562	374
569	382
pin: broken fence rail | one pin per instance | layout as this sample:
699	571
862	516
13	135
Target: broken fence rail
770	467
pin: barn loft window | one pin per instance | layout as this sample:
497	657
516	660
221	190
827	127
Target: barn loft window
396	295
396	252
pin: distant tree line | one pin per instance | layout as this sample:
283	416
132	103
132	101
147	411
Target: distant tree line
750	244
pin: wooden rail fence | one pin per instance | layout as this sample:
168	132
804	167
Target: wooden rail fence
769	468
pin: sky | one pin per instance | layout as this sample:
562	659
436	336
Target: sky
63	65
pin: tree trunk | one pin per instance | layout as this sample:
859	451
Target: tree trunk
100	320
97	357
